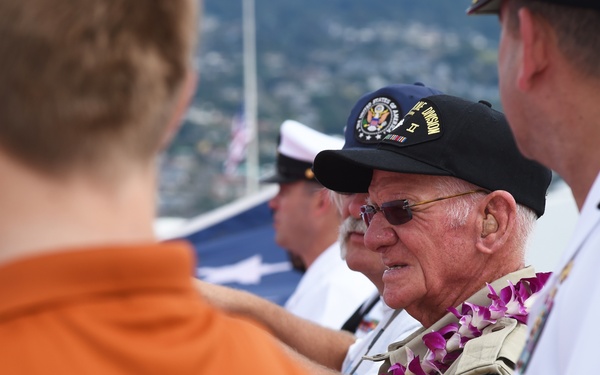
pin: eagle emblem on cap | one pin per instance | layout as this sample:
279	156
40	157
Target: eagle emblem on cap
377	118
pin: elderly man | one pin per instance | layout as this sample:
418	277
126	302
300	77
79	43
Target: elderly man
337	349
393	101
451	203
306	223
91	91
549	79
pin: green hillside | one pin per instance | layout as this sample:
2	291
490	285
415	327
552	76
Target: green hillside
314	60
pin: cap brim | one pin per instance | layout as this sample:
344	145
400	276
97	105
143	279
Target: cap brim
350	170
485	7
279	179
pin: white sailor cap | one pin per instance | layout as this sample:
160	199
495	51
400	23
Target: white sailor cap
298	146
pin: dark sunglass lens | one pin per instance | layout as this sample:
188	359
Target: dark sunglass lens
366	213
396	213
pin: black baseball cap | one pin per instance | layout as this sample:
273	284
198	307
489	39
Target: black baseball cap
443	135
493	6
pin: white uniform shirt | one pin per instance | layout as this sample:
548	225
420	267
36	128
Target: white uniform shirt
329	292
569	340
372	318
385	333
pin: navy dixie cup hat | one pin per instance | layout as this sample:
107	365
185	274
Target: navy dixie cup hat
297	148
443	135
493	6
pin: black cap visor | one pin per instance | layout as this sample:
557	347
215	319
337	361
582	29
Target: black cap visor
350	170
280	179
290	170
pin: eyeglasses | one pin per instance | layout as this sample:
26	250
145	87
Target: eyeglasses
399	212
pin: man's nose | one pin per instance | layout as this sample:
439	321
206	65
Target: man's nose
379	234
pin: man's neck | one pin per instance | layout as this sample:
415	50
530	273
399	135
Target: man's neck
41	215
574	131
317	248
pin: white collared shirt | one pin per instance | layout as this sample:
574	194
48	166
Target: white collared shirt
329	292
398	329
569	340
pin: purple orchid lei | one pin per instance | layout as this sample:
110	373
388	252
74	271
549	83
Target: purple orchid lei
446	345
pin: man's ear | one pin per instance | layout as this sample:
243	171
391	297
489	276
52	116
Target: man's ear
490	225
323	201
496	221
534	34
179	107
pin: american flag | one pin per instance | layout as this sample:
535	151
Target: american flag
238	144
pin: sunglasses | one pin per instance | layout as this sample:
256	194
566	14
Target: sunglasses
399	212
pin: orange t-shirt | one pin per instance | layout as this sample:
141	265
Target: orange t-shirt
123	310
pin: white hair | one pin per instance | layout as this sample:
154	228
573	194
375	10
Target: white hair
459	209
336	198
